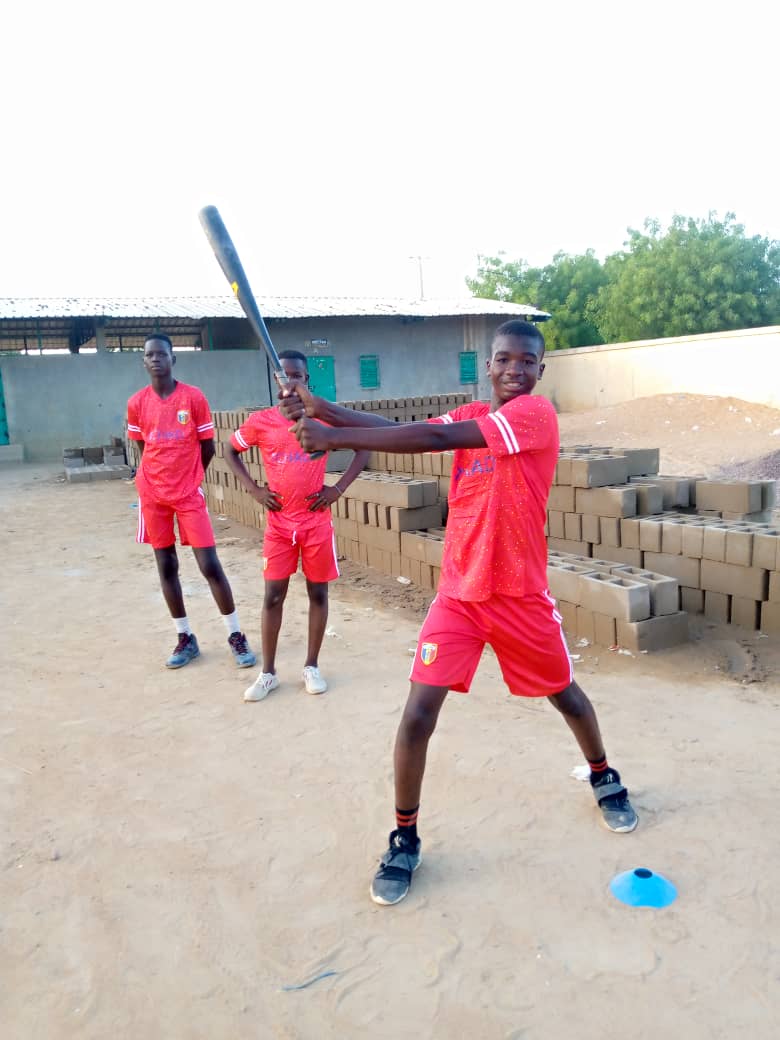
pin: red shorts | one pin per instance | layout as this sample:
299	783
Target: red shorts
524	631
316	548
155	522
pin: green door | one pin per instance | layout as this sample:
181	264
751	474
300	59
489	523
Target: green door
3	416
322	377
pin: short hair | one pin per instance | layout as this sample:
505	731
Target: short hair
518	327
295	355
162	337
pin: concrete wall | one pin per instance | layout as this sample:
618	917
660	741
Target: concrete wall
743	364
55	402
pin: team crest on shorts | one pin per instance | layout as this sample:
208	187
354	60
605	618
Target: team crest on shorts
428	652
183	417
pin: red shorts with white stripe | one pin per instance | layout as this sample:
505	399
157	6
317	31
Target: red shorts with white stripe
155	522
524	631
315	547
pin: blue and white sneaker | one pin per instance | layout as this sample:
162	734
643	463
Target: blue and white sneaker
393	880
245	658
186	650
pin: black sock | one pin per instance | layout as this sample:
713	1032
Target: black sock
406	822
598	767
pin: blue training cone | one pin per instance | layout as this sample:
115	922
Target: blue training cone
641	887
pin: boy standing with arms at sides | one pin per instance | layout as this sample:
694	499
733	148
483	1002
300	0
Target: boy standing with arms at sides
493	585
172	423
298	524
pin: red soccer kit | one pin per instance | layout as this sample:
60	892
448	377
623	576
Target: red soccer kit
171	471
493	584
295	530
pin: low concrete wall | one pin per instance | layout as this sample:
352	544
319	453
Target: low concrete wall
743	364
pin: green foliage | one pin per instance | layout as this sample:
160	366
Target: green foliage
563	288
697	276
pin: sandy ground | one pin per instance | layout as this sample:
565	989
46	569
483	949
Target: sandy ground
171	858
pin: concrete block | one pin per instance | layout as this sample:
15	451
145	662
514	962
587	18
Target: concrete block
586	627
739	547
766	549
714	543
616	596
568	612
599	472
434	547
413	545
357	510
617	554
566	545
591	528
762	517
572	527
629	532
563	580
113	456
747	582
693	541
676	491
379	538
650	532
686	571
743	496
74	462
770	618
78	475
562	498
745	612
591	564
691	600
93	456
604	630
642	461
563	470
655	633
609	530
555	523
606	501
415	519
768	493
649	499
671	537
774	587
664	591
717	606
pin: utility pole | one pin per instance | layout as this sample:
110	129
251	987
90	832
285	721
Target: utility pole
420	260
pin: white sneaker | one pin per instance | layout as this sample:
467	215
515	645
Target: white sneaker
262	686
313	680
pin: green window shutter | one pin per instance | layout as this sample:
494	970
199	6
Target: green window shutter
369	372
468	366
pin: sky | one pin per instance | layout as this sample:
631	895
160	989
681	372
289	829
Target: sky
339	140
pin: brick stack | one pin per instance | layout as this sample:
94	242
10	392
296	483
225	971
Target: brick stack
715	538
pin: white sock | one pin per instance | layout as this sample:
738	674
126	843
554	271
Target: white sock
231	622
183	625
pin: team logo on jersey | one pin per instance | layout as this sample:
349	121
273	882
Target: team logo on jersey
428	652
183	416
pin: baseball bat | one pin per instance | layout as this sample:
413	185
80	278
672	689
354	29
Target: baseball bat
232	268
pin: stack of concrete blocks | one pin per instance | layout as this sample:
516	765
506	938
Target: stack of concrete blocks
613	604
105	462
715	538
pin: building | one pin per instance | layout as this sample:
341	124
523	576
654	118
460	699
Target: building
67	366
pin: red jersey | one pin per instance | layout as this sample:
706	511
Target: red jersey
495	541
289	470
171	429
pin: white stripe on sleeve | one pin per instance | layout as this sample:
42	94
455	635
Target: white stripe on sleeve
240	439
446	418
135	429
507	426
502	431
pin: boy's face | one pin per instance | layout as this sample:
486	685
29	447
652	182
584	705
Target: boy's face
158	358
296	372
515	366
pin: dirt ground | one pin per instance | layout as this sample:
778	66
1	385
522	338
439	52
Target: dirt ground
172	858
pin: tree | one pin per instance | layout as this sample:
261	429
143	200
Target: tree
564	287
699	276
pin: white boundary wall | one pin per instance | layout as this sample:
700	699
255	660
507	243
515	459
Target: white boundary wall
744	364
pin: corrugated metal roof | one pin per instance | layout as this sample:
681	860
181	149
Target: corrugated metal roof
197	308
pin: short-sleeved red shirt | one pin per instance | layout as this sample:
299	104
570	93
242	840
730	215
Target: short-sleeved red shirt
289	470
495	539
171	429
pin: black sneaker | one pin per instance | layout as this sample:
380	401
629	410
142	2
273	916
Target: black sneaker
394	878
186	650
612	798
